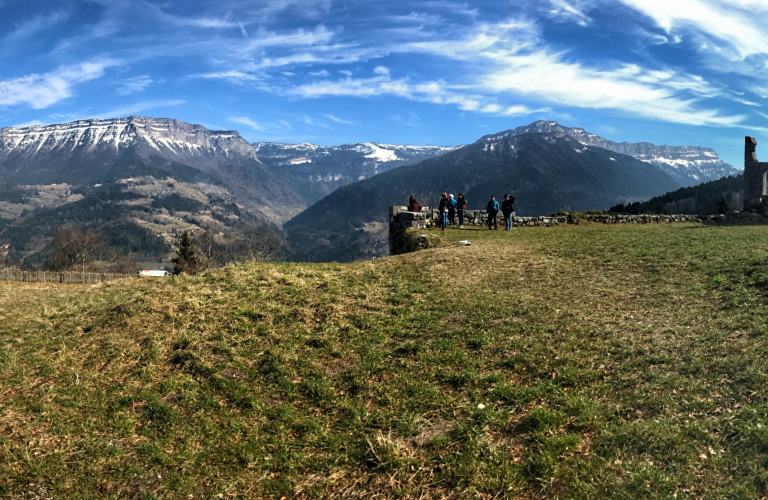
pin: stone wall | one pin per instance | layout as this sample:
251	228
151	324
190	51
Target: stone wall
403	223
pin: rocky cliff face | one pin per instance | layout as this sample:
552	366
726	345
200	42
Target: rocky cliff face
688	165
96	151
163	135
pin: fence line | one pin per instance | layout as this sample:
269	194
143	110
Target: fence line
57	277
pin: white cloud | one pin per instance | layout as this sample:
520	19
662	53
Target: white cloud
233	76
39	23
244	120
571	10
32	123
512	62
134	85
381	70
322	72
42	90
628	88
132	109
520	109
243	31
311	121
339	120
739	23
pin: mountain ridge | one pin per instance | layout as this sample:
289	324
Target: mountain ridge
545	172
689	165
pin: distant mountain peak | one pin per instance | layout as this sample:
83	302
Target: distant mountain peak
688	165
161	134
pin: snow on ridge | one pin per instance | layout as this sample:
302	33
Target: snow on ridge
178	137
381	154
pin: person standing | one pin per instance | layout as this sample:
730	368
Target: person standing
451	210
443	209
413	205
461	205
506	209
493	213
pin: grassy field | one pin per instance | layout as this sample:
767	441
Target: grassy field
570	362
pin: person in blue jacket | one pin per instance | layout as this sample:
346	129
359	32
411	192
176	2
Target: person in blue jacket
493	213
451	210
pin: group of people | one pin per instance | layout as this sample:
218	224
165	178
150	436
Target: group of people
449	207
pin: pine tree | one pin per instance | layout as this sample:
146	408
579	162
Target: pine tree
185	261
723	207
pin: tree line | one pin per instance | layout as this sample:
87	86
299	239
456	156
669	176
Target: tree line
718	196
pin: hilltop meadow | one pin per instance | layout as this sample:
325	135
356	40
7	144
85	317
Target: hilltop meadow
586	361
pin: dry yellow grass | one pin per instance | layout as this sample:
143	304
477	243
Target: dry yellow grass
573	362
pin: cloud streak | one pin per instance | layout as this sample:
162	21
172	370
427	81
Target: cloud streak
43	90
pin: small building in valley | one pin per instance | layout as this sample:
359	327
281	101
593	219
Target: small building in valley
148	272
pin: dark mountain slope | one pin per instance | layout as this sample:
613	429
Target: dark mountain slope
544	172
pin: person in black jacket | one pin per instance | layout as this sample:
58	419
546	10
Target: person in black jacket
461	205
493	212
443	209
508	210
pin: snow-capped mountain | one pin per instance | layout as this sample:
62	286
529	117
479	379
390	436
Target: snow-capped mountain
165	136
688	165
320	169
95	151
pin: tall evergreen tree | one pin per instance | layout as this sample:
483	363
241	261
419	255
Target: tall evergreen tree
185	260
723	207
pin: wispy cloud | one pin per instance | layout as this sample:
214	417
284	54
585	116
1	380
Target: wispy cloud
237	77
244	120
338	120
738	23
313	122
29	27
42	90
139	107
31	123
571	10
134	85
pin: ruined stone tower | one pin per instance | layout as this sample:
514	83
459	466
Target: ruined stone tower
755	179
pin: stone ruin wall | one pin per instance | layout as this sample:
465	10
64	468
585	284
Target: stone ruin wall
755	176
401	220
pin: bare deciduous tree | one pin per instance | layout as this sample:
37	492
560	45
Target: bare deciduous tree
429	199
260	244
74	249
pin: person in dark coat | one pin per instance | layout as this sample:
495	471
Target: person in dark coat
508	210
461	205
413	205
493	212
443	209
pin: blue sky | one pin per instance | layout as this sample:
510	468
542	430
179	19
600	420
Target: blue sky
679	72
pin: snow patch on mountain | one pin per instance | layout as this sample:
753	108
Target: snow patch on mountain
688	165
381	154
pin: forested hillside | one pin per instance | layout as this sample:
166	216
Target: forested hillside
704	199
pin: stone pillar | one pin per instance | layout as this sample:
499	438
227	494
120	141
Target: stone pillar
755	182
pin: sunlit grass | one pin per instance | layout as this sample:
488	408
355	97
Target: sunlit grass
572	362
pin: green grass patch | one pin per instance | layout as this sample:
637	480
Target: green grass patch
570	362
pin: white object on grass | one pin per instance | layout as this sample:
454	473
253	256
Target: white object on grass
464	243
